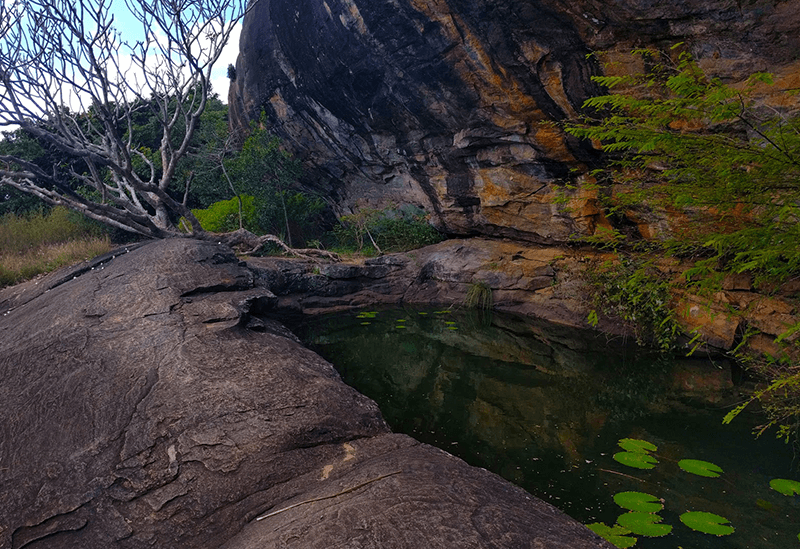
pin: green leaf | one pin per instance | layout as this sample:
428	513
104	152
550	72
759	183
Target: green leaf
785	486
613	534
644	524
638	501
700	468
637	446
707	523
636	459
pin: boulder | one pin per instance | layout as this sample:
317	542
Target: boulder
147	404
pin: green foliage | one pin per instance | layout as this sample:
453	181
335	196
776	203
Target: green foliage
639	502
681	140
780	400
707	523
700	468
644	524
479	296
785	486
634	290
392	229
616	535
19	234
266	171
223	216
636	460
726	160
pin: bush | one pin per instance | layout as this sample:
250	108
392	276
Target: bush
223	216
387	230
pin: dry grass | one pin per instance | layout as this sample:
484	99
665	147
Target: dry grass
38	244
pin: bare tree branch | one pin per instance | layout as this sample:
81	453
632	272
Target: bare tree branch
71	80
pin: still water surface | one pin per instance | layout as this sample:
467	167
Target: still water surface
544	407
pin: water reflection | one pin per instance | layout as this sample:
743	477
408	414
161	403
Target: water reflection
544	407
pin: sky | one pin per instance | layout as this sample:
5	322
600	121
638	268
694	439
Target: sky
128	27
130	30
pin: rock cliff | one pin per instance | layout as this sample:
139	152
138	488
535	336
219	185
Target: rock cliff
146	404
446	104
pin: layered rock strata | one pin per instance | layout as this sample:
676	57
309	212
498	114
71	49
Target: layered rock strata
449	105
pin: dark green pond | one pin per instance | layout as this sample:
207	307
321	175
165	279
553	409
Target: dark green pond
544	407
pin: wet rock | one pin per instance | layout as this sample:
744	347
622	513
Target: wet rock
145	404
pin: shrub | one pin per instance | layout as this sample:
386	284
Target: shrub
388	230
223	216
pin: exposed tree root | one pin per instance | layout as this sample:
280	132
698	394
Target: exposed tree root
250	243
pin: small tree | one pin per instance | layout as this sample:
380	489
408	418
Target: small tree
729	155
678	139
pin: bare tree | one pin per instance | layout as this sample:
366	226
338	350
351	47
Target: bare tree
69	79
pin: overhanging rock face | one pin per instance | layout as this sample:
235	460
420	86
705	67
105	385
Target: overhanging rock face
446	104
441	104
144	405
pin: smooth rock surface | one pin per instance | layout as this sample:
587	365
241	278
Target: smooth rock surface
146	404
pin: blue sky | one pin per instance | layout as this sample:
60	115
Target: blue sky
129	28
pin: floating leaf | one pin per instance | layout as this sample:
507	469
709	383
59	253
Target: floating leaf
613	534
707	523
365	323
701	468
785	486
636	459
638	501
637	446
400	326
401	320
644	524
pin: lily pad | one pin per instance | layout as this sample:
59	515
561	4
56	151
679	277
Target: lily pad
613	534
636	445
700	468
636	459
707	523
644	524
785	486
638	501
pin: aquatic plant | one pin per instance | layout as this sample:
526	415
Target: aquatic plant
785	486
479	296
707	523
700	468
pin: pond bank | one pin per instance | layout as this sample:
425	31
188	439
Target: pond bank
546	282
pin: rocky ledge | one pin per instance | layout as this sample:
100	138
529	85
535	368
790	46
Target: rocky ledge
146	404
544	282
